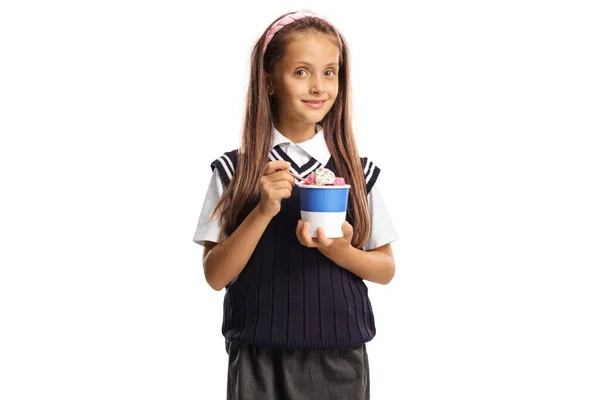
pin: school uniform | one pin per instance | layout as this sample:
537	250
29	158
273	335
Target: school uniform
295	323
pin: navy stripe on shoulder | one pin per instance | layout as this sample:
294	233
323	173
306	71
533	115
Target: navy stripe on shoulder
226	165
371	172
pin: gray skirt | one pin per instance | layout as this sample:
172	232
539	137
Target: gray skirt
272	374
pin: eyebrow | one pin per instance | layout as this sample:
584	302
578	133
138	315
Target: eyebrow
331	64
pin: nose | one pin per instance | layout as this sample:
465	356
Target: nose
316	84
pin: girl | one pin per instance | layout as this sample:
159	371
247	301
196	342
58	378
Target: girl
296	313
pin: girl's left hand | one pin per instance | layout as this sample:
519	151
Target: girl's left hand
323	243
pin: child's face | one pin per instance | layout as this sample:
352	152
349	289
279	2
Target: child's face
307	72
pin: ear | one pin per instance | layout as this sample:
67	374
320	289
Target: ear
270	86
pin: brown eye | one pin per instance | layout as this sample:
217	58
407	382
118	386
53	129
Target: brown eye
300	71
331	73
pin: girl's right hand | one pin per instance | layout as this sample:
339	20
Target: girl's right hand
275	184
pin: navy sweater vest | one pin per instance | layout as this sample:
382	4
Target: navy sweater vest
291	296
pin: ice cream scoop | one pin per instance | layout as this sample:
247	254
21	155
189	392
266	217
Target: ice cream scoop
323	177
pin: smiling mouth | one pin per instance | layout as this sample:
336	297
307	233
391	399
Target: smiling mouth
314	104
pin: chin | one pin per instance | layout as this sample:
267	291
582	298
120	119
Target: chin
315	120
318	116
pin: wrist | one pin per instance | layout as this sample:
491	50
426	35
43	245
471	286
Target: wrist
338	253
259	213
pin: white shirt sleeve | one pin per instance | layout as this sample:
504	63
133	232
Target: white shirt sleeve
208	228
382	227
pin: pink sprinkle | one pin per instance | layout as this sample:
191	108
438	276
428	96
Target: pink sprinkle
338	182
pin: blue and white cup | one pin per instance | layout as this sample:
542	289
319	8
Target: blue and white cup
325	207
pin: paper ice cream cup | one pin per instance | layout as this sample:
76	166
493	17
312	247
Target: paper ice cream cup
325	207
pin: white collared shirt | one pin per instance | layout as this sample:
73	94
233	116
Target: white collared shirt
382	227
302	152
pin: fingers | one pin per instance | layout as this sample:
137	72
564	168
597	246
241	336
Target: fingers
306	231
348	231
284	193
278	170
284	175
303	235
275	191
275	184
273	166
279	176
298	231
323	240
278	185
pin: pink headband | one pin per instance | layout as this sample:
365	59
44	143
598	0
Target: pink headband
288	19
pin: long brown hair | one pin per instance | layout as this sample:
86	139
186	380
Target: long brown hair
257	134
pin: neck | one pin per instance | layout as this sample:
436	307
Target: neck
297	132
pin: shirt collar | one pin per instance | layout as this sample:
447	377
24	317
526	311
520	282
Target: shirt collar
315	147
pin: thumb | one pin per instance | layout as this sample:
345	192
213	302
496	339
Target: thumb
348	231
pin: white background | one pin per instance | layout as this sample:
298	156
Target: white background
483	116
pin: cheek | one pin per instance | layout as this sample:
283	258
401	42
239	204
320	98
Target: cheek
334	94
291	86
334	87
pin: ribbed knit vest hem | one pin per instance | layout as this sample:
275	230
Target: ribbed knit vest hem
299	344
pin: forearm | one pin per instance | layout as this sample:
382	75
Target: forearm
374	266
228	258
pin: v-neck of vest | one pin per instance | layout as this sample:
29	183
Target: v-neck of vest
304	170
